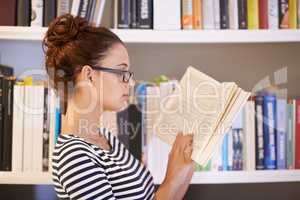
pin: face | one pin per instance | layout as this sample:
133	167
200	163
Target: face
112	92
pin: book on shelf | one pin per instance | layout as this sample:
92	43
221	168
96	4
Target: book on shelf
39	13
203	107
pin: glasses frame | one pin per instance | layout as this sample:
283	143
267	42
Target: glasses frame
116	71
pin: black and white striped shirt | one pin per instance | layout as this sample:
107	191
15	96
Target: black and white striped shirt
82	170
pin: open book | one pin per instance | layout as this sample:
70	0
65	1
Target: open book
200	106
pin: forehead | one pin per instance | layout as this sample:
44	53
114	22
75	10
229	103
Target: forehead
116	55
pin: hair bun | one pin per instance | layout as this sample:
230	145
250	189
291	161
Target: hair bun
64	29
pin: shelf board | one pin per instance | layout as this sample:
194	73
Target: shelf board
29	178
230	177
237	177
176	36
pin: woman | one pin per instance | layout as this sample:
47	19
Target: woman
89	68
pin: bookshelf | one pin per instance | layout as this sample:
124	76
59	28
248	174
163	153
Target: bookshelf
22	37
176	36
230	177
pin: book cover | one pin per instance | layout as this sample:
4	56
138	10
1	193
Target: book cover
187	14
224	14
283	6
269	129
273	14
263	14
253	14
243	15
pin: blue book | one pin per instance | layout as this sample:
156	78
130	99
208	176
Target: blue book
57	128
225	153
269	129
281	132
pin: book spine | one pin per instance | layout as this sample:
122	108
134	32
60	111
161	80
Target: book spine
17	142
253	14
75	7
124	14
197	14
90	10
145	14
233	14
263	14
83	8
133	14
259	139
230	150
283	14
281	132
46	130
216	12
8	13
1	118
23	10
49	12
273	17
293	14
7	128
208	14
269	125
298	9
187	14
297	134
225	153
243	15
290	136
63	7
224	14
37	13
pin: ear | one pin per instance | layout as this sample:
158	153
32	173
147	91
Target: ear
87	73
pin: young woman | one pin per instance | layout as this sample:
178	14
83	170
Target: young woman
90	70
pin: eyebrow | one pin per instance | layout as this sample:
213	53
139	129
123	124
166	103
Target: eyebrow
124	65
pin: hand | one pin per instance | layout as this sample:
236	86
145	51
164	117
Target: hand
180	167
180	170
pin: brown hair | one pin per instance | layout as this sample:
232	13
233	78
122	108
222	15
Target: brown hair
69	44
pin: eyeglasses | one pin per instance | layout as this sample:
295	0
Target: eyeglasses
126	75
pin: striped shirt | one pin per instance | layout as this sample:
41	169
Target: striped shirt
82	170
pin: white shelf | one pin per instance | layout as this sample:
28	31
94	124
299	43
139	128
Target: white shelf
232	177
177	36
25	178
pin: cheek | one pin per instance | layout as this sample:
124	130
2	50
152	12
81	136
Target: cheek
112	95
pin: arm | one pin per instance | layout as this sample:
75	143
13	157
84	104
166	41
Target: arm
82	177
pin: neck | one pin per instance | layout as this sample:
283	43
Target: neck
82	124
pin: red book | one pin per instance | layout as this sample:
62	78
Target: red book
297	135
263	14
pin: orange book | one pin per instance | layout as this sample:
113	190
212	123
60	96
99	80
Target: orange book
197	14
292	14
187	14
